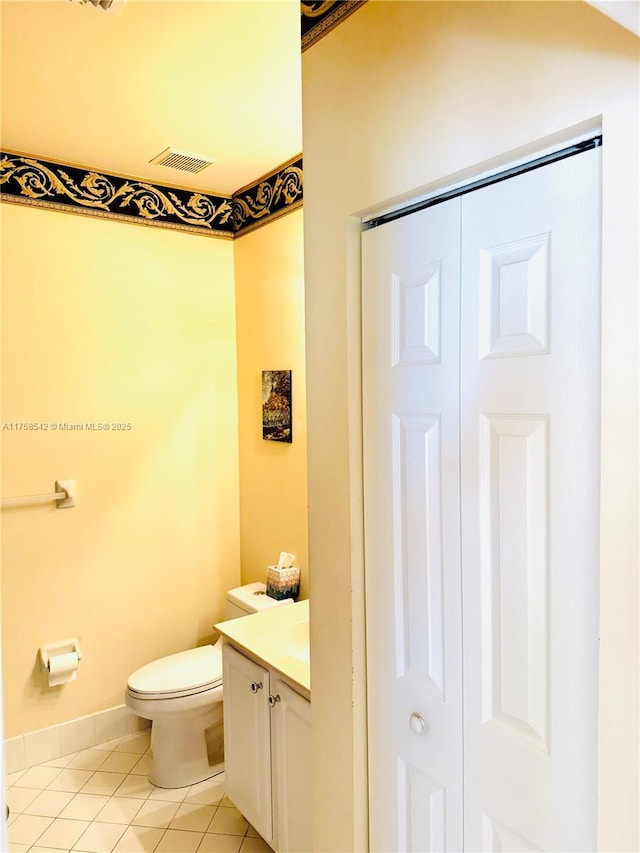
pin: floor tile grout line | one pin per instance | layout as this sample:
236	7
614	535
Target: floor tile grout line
220	804
216	807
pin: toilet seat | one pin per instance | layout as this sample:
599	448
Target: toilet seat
182	695
183	674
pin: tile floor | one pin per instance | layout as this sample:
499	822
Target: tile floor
100	800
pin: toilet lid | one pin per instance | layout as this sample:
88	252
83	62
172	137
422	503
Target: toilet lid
182	674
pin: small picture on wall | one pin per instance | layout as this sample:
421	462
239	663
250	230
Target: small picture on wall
276	405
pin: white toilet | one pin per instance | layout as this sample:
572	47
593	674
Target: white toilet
182	696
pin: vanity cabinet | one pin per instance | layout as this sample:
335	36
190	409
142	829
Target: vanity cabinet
247	739
291	764
267	744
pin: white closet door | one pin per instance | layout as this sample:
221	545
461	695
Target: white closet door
411	281
530	491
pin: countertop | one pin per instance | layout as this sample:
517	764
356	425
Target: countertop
273	639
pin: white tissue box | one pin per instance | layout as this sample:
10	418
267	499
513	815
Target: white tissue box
283	583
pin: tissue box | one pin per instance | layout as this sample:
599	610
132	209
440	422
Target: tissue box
283	583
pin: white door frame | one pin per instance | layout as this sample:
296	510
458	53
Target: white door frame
616	583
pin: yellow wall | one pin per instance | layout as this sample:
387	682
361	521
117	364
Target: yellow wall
270	330
403	96
111	322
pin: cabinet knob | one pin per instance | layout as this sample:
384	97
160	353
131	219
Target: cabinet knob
255	686
273	700
417	724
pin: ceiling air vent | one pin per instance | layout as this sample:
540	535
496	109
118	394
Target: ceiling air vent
184	161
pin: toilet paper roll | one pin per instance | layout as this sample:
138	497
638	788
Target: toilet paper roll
62	668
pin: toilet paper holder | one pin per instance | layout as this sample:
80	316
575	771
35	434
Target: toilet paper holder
64	647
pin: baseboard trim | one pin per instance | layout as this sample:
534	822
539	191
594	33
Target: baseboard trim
53	742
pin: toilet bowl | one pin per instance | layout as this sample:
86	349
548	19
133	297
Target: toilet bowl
182	696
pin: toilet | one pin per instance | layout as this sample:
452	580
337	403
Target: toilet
182	696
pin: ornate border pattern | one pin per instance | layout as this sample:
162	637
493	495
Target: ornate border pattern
42	182
318	17
29	180
26	179
269	197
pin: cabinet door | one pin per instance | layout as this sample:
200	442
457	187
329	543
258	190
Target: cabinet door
291	757
247	739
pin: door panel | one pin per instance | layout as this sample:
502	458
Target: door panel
481	468
529	489
421	810
513	534
411	357
416	488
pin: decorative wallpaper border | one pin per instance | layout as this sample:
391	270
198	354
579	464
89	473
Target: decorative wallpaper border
269	197
318	17
26	179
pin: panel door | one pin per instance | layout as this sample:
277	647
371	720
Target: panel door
530	449
411	283
292	759
519	403
247	739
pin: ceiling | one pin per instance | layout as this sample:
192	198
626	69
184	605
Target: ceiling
623	12
111	91
220	78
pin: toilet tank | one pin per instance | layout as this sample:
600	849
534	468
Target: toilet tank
251	598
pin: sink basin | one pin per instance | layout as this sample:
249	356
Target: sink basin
294	640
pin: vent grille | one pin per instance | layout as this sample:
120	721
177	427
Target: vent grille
184	161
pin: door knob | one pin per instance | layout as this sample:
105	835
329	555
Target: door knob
417	724
273	699
255	686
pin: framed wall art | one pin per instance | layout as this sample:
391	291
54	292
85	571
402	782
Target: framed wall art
276	405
